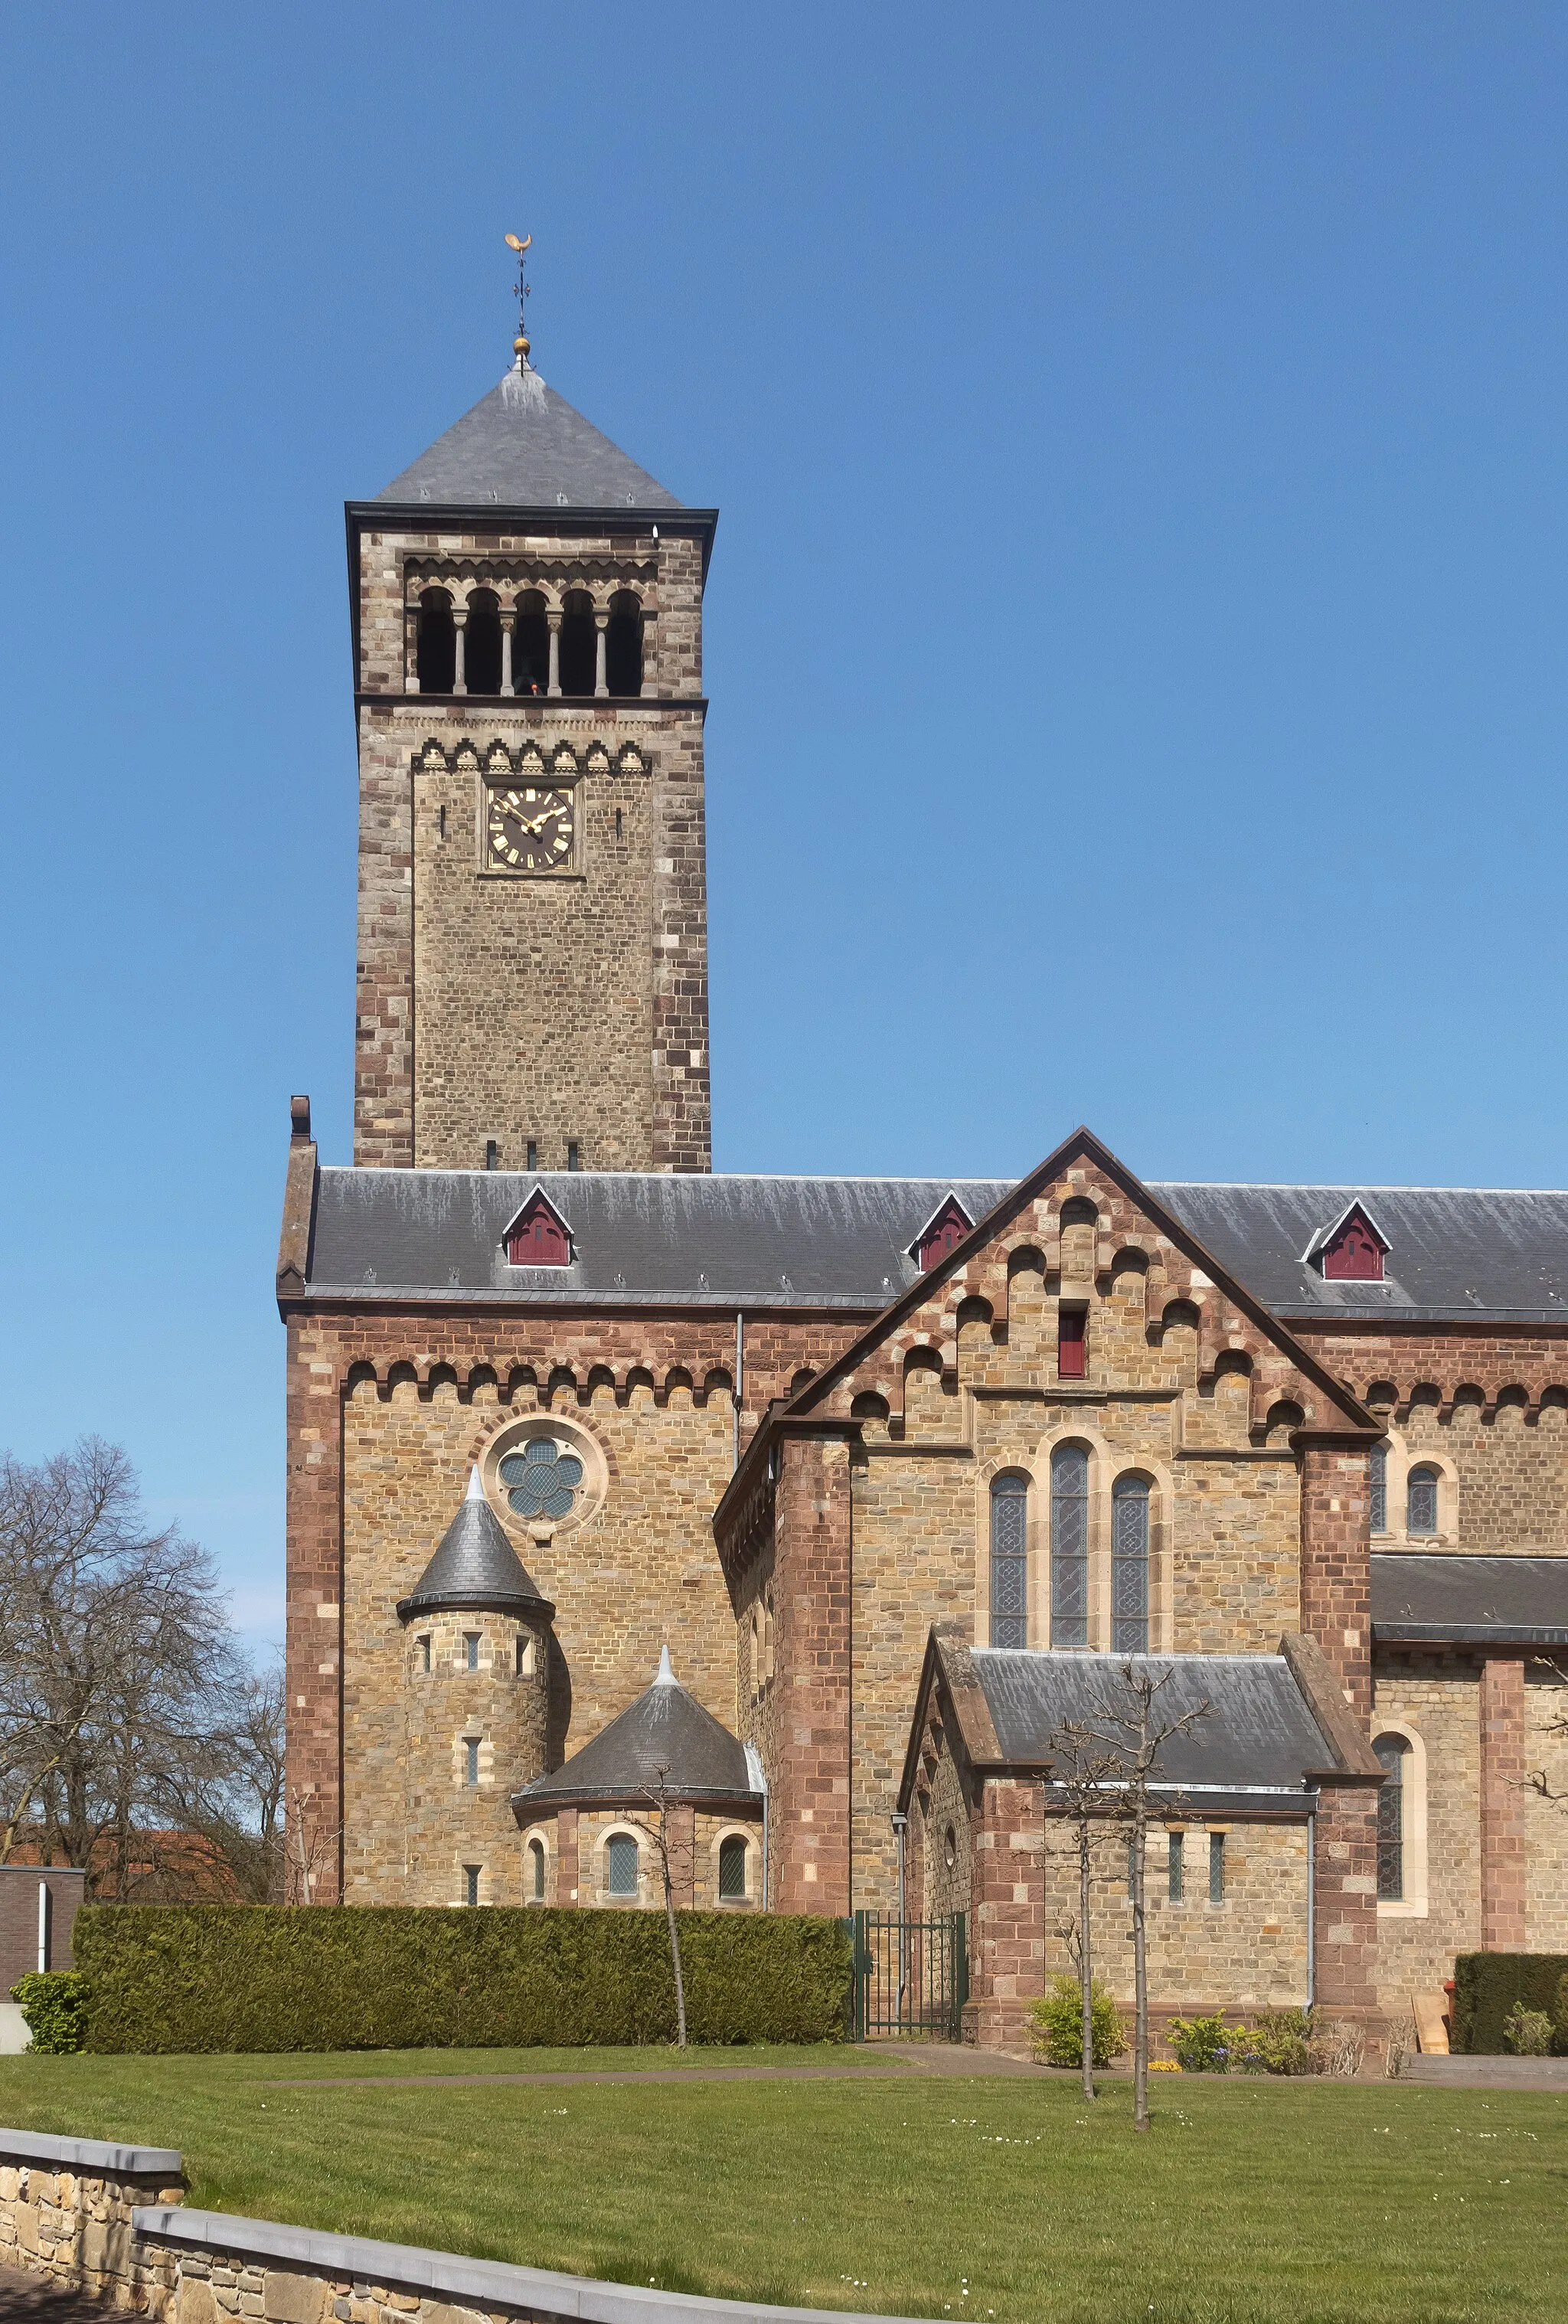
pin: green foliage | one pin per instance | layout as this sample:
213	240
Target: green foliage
261	1977
1488	1985
1527	2032
1560	2017
1058	2023
1280	2042
1203	2044
54	2003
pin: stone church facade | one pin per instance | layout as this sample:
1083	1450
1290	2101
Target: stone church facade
818	1508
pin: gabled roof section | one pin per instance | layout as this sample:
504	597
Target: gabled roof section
1329	1235
667	1736
948	1214
1082	1147
524	446
474	1566
538	1222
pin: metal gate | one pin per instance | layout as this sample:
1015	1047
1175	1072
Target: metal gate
911	1977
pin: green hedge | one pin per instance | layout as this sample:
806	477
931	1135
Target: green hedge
1486	1986
262	1976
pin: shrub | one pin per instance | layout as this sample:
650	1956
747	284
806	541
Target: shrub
1527	2032
1203	2045
1560	2016
1488	1985
1058	2023
1278	2043
267	1978
54	2003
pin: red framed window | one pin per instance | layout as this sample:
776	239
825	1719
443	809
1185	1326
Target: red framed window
947	1228
537	1236
1072	1342
1355	1251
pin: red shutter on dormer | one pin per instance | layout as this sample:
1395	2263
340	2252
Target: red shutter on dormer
946	1230
537	1236
1072	1346
1355	1253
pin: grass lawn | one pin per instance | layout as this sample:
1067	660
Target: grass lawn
986	2198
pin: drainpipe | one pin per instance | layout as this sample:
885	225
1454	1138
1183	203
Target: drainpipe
758	1774
740	1380
43	1925
901	1823
1310	1908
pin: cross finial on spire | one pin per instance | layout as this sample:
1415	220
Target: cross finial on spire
520	345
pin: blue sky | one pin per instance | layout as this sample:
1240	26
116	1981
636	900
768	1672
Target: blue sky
1135	634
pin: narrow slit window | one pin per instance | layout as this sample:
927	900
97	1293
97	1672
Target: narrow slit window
424	1657
1069	1546
1174	1868
1072	1342
470	1650
1129	1566
536	1870
621	1865
470	1769
1393	1751
1380	1483
532	1154
1421	1502
471	1882
574	1155
1010	1564
733	1869
1216	1867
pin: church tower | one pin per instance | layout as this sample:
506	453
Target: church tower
533	955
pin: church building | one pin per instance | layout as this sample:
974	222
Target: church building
805	1516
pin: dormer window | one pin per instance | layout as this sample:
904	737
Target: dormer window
947	1227
1353	1249
538	1236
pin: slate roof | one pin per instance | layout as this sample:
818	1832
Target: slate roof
475	1565
1455	1251
524	446
1442	1599
665	1729
638	1236
1259	1741
648	1238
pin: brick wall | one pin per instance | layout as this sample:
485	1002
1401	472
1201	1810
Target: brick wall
1437	1696
810	1776
19	1886
1345	1901
1336	1585
1502	1804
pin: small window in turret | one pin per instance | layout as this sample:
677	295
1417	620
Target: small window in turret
525	1658
470	1650
470	1769
425	1657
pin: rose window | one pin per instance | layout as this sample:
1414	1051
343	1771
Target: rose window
542	1479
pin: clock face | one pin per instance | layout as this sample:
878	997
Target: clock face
530	830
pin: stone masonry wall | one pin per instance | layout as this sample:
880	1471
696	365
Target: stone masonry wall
1545	1820
563	1005
1437	1698
70	2223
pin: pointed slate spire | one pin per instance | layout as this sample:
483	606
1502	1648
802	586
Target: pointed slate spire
474	1566
524	446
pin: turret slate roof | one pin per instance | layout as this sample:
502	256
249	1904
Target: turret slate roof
665	1730
524	446
475	1565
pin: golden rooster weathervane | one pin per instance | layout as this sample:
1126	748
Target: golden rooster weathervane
520	345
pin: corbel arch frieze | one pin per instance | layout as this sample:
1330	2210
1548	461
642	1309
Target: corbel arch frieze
530	761
514	580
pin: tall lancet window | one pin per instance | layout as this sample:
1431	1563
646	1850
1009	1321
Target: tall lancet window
1069	1546
1380	1483
1010	1562
1129	1566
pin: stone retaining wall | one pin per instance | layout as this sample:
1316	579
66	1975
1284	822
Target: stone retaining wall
109	2220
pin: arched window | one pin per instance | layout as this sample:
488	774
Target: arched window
1069	1546
482	646
733	1870
536	1871
1129	1566
1379	1481
1421	1502
1393	1754
438	648
1009	1563
531	645
621	1865
579	651
624	645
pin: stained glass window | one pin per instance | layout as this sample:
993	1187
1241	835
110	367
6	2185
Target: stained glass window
1069	1546
542	1479
621	1865
1216	1867
1392	1751
1380	1488
733	1869
1129	1566
1421	1508
1174	1868
1009	1563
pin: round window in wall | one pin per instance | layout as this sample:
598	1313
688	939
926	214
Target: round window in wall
542	1479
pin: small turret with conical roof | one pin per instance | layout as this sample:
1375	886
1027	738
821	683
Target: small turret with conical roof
476	1696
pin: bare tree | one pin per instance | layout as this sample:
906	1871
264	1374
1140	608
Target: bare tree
1537	1780
227	1792
659	1798
1131	1726
1082	1767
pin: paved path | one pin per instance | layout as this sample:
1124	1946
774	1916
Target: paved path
34	2300
882	2059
